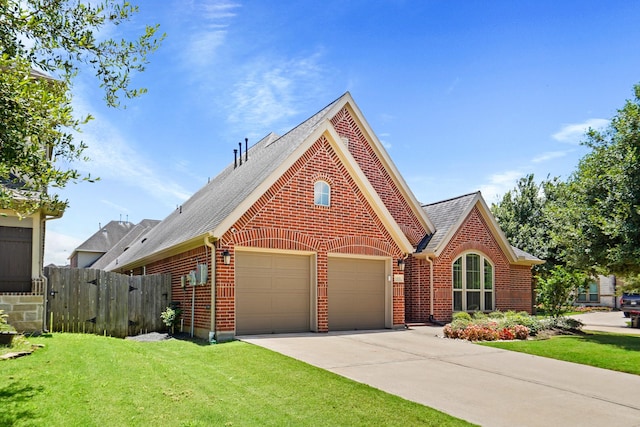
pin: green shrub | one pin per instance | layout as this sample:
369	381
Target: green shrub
562	323
557	290
478	315
461	315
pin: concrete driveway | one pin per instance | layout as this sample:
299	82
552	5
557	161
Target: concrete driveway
486	386
608	321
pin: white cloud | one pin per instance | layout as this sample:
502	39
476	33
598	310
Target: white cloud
58	248
273	90
574	132
549	155
115	206
201	48
383	140
499	184
112	157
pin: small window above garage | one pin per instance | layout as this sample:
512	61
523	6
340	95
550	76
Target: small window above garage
322	193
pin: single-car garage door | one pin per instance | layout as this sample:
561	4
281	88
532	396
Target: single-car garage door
272	293
356	294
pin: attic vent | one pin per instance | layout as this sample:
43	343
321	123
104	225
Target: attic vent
345	140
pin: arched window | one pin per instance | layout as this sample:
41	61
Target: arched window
473	283
321	193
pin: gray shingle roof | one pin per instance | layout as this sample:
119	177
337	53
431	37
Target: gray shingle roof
526	256
447	213
214	202
444	215
136	232
105	238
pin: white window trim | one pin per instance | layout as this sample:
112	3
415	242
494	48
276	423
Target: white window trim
463	291
317	188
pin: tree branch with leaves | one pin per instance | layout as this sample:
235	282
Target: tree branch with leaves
37	123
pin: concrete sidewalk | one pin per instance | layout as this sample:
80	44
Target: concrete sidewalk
486	386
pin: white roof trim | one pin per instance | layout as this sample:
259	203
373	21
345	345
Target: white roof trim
494	228
347	159
382	154
368	191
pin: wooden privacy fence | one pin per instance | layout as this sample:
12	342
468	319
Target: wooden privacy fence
100	302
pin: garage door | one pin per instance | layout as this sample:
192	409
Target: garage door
356	294
272	293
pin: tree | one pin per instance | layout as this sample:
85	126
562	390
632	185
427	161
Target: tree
36	122
523	218
557	290
597	213
35	111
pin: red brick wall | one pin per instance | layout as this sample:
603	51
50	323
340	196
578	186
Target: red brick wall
378	176
512	283
520	297
181	265
285	217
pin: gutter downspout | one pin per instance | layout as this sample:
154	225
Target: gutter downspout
212	245
431	319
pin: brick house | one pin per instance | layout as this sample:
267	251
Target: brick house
316	230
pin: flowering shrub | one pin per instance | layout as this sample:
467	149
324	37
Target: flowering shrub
521	332
495	326
507	334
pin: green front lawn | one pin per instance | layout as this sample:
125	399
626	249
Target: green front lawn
603	350
94	381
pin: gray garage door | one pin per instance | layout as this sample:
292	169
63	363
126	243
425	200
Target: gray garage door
272	293
356	294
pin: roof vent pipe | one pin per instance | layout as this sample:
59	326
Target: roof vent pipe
246	149
235	158
240	148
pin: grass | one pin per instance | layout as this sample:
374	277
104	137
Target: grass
93	381
604	350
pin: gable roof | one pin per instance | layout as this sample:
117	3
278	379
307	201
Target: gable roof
218	205
137	232
448	215
105	238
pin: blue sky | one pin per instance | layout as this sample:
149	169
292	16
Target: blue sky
465	95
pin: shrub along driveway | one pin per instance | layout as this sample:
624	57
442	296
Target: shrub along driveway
487	386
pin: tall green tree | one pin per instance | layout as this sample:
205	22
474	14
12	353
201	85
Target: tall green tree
522	216
60	38
597	213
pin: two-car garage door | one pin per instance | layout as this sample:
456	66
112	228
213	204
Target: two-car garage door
273	293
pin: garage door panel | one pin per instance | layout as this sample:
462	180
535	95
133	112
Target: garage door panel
272	293
356	294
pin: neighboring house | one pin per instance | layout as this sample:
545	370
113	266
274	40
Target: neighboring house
316	230
99	243
135	233
601	292
22	282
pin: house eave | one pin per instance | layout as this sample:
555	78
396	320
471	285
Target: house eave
192	243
